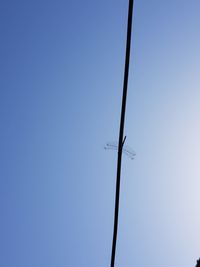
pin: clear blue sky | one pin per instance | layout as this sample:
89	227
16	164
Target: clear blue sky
61	66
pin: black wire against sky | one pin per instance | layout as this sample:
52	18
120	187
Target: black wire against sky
121	130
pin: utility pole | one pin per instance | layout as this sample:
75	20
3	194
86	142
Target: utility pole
121	130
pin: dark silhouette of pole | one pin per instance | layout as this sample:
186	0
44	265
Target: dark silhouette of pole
121	131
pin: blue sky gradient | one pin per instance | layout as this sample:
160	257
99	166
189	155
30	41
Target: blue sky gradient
60	95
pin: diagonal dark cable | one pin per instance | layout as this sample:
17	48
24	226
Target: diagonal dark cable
121	131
